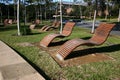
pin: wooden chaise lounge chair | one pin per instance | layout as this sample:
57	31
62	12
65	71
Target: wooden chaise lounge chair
98	38
32	26
37	21
67	30
34	23
55	24
53	27
7	21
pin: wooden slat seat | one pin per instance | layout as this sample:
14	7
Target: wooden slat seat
49	38
45	26
98	38
6	22
10	21
32	26
37	21
55	24
34	23
53	27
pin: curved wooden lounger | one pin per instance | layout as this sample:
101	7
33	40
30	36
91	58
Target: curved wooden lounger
37	21
67	30
7	21
53	24
53	27
98	38
32	26
34	23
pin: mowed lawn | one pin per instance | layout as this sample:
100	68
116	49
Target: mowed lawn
45	64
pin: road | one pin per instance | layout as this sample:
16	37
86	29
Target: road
88	24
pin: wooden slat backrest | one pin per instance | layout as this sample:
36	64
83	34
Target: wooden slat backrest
54	23
101	33
67	30
57	24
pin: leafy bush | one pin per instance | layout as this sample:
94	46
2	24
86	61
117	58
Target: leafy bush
25	30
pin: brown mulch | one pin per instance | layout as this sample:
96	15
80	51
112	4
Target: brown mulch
79	56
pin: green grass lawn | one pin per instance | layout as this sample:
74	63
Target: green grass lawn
42	61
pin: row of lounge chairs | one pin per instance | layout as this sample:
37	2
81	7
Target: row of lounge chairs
54	25
99	37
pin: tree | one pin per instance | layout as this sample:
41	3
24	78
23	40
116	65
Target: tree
18	17
7	8
15	2
0	13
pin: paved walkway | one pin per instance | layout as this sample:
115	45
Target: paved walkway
14	67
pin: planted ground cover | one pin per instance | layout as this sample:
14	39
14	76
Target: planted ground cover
45	64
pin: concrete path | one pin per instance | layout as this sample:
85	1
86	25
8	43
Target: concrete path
14	67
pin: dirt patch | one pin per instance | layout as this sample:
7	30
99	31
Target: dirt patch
82	59
24	44
116	79
78	56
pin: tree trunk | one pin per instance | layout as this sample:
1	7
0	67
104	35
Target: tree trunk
1	14
93	27
25	16
61	16
119	16
14	11
8	8
45	12
18	23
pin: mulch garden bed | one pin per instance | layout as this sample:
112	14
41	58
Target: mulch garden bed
80	55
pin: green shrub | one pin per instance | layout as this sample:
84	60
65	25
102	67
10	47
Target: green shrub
25	30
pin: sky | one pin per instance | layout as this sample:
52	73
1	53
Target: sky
79	2
11	1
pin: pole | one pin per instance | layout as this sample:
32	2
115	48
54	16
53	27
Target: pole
119	16
18	22
80	11
93	27
61	16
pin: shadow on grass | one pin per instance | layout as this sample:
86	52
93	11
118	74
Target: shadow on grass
1	25
85	38
84	52
39	26
35	33
40	71
117	27
26	34
8	27
58	43
53	44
